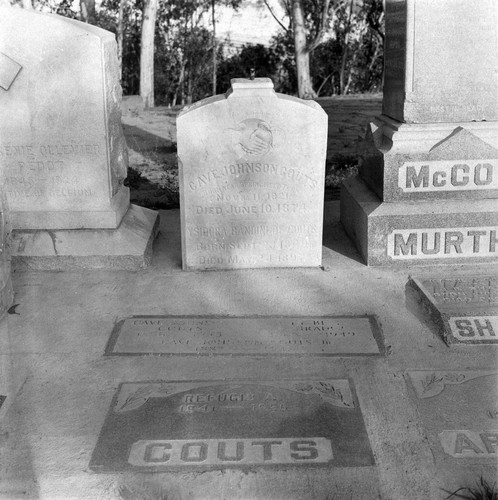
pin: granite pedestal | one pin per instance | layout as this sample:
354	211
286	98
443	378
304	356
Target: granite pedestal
428	180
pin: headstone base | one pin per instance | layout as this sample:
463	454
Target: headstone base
107	217
129	247
414	162
429	232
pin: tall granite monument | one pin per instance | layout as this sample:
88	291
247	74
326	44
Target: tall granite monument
429	180
252	169
62	148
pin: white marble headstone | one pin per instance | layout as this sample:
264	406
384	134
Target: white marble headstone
61	142
252	167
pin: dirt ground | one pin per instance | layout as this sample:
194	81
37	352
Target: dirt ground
151	138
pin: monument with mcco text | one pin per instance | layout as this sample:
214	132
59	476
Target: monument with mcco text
428	186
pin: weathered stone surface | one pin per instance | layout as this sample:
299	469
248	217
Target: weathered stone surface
61	142
272	335
425	233
203	425
459	411
252	167
463	307
441	61
416	162
127	247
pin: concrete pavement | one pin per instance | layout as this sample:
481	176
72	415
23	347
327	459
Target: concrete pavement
59	384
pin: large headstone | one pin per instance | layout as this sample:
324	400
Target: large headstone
252	167
61	143
429	179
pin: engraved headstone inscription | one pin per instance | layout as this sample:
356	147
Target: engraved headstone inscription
203	425
62	145
251	166
459	411
269	335
463	307
428	183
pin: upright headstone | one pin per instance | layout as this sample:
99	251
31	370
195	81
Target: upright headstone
429	180
252	168
62	147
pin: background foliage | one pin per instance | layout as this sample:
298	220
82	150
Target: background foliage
348	61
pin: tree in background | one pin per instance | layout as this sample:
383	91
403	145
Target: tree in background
88	14
349	31
183	45
184	52
147	53
344	47
344	43
234	4
262	59
304	44
309	24
352	61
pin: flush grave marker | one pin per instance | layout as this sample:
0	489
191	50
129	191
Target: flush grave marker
459	410
204	425
463	307
269	335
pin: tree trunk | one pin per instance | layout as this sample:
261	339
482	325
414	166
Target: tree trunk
181	84
189	87
120	36
88	14
345	54
304	84
147	53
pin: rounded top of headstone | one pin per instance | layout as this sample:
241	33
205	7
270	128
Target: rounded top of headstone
246	89
22	21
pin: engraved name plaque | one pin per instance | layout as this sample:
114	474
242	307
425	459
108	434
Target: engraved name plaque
464	307
205	425
277	335
459	411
